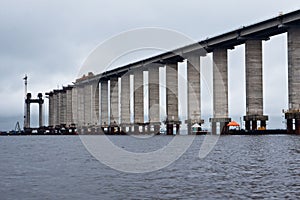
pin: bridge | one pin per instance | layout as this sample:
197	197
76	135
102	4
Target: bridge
85	103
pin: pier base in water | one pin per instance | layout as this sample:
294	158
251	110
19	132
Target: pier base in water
251	122
293	121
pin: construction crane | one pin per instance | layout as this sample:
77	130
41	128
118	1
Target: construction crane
25	82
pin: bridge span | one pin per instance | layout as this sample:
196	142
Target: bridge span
86	102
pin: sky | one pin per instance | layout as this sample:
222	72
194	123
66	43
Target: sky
49	41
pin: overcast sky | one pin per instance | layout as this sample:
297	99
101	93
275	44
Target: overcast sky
49	40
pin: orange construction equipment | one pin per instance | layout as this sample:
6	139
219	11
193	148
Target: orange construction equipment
233	123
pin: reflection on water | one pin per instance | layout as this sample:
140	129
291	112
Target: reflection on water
59	167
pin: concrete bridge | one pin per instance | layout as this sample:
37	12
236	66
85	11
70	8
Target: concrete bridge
85	103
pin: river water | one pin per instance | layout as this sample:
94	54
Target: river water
239	167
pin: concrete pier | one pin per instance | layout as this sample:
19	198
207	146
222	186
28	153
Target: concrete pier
95	104
80	106
293	114
27	115
254	85
154	107
114	105
104	105
55	107
58	108
69	115
40	102
220	92
125	103
63	98
51	109
87	105
75	105
138	101
194	94
172	120
28	102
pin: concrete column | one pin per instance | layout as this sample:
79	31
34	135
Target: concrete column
95	103
69	115
293	113
172	91
125	101
41	101
80	110
58	107
27	115
194	94
58	110
154	107
114	101
254	83
104	103
172	98
55	106
220	91
62	109
75	105
153	79
138	97
87	105
51	109
294	68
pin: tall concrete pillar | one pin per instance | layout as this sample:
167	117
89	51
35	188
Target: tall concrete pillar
193	91
95	103
55	107
104	103
62	109
27	115
114	104
254	84
138	99
87	104
58	108
75	105
220	92
40	101
293	113
154	107
51	109
80	108
69	114
172	121
125	102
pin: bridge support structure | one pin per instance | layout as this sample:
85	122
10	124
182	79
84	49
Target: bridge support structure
125	104
138	87
293	114
104	106
28	102
172	122
220	92
254	85
154	108
114	106
193	92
